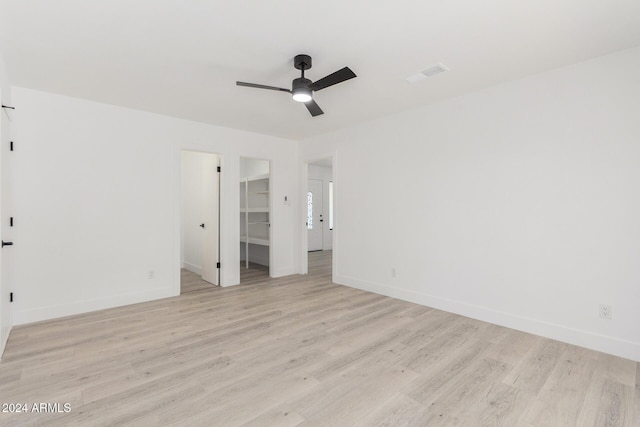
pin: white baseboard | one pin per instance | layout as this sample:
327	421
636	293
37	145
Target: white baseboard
3	341
52	312
281	272
192	268
582	338
228	286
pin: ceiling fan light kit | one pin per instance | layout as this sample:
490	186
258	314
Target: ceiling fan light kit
302	88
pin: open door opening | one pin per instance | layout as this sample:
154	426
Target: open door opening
200	225
6	224
319	221
255	220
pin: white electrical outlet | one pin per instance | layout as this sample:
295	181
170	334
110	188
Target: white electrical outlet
606	311
151	274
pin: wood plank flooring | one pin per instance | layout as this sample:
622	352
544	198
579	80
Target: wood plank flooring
192	282
254	274
300	350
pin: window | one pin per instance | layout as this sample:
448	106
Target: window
330	205
310	210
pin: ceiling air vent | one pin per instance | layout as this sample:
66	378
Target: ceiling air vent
429	72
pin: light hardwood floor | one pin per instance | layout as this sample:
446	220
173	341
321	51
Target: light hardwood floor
256	273
300	350
192	282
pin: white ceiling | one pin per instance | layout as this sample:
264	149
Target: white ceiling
182	57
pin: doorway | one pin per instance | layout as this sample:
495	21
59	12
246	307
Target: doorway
255	220
6	222
319	223
315	211
200	227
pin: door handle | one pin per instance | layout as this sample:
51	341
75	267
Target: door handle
6	243
202	225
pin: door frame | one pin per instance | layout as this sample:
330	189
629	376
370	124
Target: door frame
177	259
271	205
6	282
320	225
303	254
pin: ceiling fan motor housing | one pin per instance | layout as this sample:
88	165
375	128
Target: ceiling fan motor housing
300	83
302	62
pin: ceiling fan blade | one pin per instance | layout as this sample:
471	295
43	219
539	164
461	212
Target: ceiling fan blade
332	79
257	86
313	108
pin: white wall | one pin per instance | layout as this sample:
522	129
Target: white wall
97	198
5	208
518	204
325	174
192	208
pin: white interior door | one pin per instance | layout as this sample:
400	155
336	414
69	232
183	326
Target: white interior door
314	215
5	226
210	218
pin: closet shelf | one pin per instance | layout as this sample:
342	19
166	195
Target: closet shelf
255	228
255	241
254	178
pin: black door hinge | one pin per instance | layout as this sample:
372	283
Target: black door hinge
11	222
11	146
10	296
218	265
219	169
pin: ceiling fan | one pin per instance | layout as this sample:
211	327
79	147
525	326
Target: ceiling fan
302	88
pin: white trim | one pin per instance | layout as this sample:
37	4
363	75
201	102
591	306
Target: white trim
579	337
3	342
192	268
282	272
78	307
303	253
303	261
229	277
176	259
